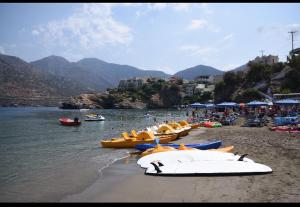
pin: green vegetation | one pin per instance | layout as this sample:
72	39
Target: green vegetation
245	86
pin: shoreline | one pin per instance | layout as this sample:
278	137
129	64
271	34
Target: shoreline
122	182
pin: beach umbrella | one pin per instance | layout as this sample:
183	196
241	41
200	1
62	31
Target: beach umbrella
287	102
197	105
210	105
257	103
227	105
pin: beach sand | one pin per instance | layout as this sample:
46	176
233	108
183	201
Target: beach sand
125	181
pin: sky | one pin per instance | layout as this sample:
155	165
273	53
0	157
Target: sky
152	36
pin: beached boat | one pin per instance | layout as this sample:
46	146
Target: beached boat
211	124
94	117
160	148
285	129
128	142
202	146
192	125
69	122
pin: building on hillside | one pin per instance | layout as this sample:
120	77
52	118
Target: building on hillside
199	88
268	60
131	83
218	78
212	79
188	89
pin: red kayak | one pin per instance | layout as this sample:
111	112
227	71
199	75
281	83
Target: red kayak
69	122
285	129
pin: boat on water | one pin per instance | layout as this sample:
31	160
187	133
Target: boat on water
94	117
83	110
69	122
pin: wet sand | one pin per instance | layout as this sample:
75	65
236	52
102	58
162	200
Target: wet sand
125	181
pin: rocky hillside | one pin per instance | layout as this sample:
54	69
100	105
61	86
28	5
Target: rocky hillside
161	94
259	80
92	73
21	83
192	73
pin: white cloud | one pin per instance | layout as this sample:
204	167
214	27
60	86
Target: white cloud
202	24
166	69
92	26
205	8
228	37
2	51
197	24
230	66
181	6
203	52
35	32
157	6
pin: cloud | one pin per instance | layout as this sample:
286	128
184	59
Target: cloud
157	6
197	24
208	52
166	69
276	30
2	51
203	52
181	6
92	26
228	37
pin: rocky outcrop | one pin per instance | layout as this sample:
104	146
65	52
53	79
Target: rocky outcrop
102	101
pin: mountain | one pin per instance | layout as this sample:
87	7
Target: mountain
59	66
193	72
94	74
113	73
20	80
240	68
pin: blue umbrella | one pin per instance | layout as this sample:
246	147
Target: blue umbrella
257	103
197	105
210	105
227	105
287	102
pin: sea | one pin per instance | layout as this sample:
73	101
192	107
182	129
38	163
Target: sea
43	161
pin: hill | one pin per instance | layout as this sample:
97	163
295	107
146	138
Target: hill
19	81
94	74
193	72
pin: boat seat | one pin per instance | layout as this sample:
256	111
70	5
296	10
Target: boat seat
126	136
133	133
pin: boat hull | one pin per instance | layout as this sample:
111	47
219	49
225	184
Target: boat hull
204	146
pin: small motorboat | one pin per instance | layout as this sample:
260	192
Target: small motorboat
94	117
69	122
83	110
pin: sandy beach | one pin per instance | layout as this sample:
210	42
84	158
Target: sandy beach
125	181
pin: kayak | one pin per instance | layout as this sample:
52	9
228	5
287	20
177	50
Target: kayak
285	129
69	122
143	137
159	148
202	146
210	124
216	167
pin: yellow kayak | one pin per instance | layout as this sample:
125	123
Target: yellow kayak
143	137
159	148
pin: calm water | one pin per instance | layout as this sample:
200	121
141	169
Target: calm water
43	161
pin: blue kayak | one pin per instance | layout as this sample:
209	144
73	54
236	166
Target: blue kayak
203	146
